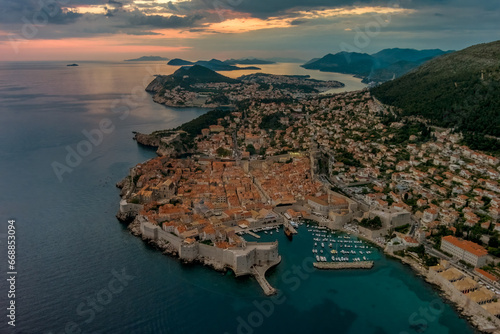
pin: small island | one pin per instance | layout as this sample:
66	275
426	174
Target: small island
72	65
148	58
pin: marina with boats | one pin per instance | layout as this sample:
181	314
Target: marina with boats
332	246
344	265
329	248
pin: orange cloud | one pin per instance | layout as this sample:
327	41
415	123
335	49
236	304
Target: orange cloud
245	24
80	49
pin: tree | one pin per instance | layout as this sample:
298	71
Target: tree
493	242
251	149
223	152
374	223
431	261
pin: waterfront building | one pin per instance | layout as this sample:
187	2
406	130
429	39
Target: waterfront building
467	251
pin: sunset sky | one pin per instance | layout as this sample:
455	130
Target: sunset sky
204	29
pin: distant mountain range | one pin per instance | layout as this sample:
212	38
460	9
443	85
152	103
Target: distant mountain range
379	67
148	58
460	90
218	65
248	61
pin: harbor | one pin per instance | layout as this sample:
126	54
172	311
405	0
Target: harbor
331	249
338	247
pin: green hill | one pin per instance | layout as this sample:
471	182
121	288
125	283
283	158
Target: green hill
460	90
378	67
185	77
179	62
343	62
200	74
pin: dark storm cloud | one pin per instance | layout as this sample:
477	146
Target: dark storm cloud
137	18
267	8
141	33
17	11
115	3
124	16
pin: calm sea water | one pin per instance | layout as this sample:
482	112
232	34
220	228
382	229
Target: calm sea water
71	248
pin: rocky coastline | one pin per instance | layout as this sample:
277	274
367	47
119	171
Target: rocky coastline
146	140
477	321
167	249
174	147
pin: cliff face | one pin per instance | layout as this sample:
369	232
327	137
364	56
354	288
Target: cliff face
165	148
155	86
147	140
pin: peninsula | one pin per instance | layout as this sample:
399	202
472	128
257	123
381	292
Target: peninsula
346	161
198	86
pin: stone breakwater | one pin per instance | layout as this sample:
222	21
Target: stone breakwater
344	265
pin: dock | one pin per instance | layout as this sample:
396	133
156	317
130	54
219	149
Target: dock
259	272
253	234
344	265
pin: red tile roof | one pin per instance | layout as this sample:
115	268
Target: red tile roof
468	246
486	274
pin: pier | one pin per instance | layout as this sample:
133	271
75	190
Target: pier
344	265
253	234
259	272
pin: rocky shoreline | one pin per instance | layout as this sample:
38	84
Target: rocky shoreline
166	248
146	140
164	148
477	321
